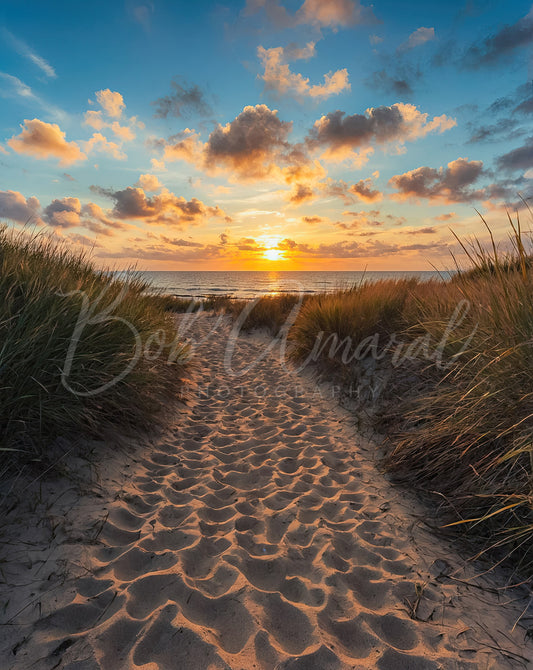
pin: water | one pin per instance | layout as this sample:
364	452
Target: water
248	284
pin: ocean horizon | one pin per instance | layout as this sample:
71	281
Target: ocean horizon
250	283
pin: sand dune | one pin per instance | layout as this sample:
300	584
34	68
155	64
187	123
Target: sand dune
257	533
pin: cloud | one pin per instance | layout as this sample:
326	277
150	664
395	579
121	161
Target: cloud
24	50
318	13
360	219
504	129
300	193
254	146
250	144
375	39
339	135
64	213
334	13
450	184
517	159
356	249
521	100
179	242
312	219
141	13
14	206
149	183
100	143
18	89
124	133
419	37
445	217
501	45
158	165
163	208
279	79
183	101
96	120
363	190
97	220
163	251
44	140
83	240
111	102
525	107
390	84
185	145
68	176
428	230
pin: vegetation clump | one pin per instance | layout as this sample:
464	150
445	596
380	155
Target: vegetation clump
81	351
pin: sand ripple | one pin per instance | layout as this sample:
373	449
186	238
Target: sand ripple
253	535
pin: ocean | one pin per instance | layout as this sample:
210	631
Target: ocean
249	284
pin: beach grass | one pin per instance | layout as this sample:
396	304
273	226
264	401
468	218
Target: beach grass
469	440
457	409
82	352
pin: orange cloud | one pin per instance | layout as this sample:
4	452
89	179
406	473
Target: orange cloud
112	104
99	221
319	13
163	208
279	78
111	101
254	146
186	146
94	119
123	132
333	13
362	190
149	183
100	143
64	213
301	193
44	140
158	165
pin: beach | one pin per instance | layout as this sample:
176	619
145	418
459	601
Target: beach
255	531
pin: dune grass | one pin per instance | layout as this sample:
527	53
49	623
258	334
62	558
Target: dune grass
458	410
81	352
470	439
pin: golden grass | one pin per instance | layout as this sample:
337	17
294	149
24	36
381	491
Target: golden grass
52	361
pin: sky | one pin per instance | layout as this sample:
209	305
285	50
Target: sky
266	134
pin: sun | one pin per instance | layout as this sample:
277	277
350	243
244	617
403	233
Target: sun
271	250
273	254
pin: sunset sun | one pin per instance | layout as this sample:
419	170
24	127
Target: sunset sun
271	250
274	254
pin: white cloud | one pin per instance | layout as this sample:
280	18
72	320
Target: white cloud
420	36
24	50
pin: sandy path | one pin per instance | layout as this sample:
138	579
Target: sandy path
257	534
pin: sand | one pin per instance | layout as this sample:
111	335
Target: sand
255	532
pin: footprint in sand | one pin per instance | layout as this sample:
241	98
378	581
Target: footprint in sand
250	537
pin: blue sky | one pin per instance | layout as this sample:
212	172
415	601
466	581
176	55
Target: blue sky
265	134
